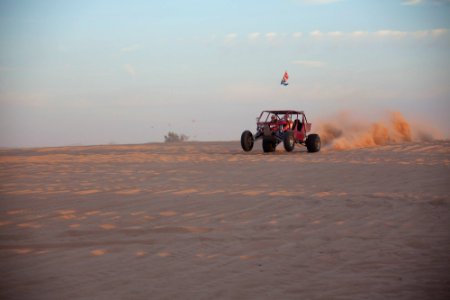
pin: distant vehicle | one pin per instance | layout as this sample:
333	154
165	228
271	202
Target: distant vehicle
289	127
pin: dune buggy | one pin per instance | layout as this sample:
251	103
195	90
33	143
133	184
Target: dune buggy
289	127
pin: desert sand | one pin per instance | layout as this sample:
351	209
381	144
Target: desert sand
208	221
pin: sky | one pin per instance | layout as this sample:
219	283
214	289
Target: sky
100	72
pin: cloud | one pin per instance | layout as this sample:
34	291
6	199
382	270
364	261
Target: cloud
391	33
316	34
439	32
412	2
417	2
420	33
384	33
129	69
131	48
339	36
230	37
318	2
271	35
335	34
359	34
309	63
254	35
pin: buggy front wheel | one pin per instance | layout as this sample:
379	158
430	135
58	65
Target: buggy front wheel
247	141
289	141
313	143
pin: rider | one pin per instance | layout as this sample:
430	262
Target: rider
273	122
289	122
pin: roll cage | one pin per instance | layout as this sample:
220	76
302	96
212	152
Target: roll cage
284	120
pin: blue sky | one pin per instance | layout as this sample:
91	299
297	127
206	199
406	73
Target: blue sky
97	72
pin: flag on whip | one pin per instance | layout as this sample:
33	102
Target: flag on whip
285	79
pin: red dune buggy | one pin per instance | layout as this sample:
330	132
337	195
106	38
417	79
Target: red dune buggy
289	127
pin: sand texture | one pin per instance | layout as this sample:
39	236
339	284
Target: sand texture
208	221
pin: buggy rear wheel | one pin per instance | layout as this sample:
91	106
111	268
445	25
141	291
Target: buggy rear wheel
269	145
247	141
313	143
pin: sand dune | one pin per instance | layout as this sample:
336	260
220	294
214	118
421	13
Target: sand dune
207	221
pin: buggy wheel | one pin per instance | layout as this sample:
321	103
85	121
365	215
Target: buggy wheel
289	141
247	141
313	143
269	145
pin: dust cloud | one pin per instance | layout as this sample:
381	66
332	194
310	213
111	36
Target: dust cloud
346	132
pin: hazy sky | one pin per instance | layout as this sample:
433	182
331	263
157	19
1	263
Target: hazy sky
97	72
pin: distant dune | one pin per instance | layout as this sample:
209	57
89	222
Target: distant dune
207	221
